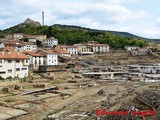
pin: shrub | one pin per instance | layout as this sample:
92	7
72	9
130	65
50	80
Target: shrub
17	87
9	78
10	100
1	78
5	89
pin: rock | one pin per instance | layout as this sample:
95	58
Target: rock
110	90
29	21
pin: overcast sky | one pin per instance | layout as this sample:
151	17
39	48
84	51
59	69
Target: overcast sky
140	17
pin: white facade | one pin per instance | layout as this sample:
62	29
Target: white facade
50	42
100	48
130	48
2	45
72	51
32	40
36	61
51	57
15	36
30	47
13	67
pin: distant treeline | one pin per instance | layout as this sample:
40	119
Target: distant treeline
72	35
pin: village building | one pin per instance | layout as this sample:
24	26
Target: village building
15	36
139	52
16	45
50	42
32	40
130	48
70	48
36	59
100	48
51	57
84	49
13	64
8	45
92	42
37	37
29	46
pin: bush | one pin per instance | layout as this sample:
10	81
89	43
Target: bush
1	78
9	78
5	89
17	87
10	100
30	81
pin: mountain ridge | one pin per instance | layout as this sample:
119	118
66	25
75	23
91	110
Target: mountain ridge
29	23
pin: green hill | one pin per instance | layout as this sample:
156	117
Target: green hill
68	34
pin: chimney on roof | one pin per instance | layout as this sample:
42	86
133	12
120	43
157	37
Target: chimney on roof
18	53
9	52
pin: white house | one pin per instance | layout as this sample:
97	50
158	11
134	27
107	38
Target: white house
100	48
130	48
70	48
51	57
36	59
19	46
13	64
50	42
84	49
32	40
15	36
29	46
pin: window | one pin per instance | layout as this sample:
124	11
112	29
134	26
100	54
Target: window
9	61
9	70
2	72
24	69
17	61
26	61
0	61
17	69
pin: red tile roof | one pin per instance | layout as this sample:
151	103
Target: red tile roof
63	52
68	46
48	51
10	42
28	43
100	45
12	55
34	54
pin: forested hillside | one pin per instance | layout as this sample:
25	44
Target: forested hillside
73	34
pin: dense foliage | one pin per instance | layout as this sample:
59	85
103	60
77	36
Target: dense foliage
72	35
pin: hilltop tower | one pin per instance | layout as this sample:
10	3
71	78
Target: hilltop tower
42	18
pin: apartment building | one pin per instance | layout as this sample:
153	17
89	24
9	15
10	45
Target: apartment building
36	59
100	48
15	36
84	49
13	64
51	57
70	48
16	45
50	42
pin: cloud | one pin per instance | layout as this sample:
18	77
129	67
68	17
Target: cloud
97	14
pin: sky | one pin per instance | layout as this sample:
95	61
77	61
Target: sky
139	17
